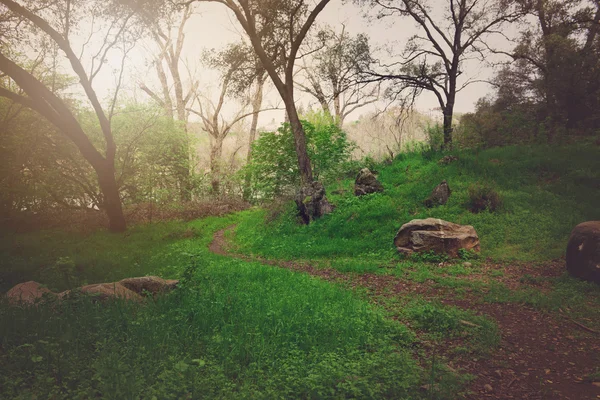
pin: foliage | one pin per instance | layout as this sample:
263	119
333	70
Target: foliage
483	196
43	172
385	134
429	256
550	91
274	167
435	137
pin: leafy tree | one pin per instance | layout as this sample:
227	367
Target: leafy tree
39	97
273	168
556	65
148	158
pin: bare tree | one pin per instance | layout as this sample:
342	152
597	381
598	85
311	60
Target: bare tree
39	97
168	32
433	59
333	74
238	72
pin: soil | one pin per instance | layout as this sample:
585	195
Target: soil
540	355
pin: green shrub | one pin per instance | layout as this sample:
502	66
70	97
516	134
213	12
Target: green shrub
467	255
435	137
274	166
429	256
483	197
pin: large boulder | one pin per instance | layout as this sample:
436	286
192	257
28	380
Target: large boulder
439	195
27	293
436	235
366	183
312	202
583	251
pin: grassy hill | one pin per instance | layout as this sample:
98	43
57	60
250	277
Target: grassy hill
375	325
545	192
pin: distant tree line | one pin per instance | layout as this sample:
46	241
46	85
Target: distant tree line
65	146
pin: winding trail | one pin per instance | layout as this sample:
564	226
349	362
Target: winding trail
540	355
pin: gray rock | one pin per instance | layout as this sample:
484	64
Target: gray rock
439	195
583	252
436	235
366	183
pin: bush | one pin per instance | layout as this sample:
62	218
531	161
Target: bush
435	137
274	166
483	197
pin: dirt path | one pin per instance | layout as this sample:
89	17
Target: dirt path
540	356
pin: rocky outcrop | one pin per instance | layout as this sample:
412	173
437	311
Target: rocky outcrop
312	202
439	195
27	293
366	183
436	235
128	289
583	252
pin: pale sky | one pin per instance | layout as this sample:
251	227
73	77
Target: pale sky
215	27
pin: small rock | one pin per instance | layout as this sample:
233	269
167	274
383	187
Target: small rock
439	195
366	183
106	291
447	160
467	264
149	284
27	293
488	388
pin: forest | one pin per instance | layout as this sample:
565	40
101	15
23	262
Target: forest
313	199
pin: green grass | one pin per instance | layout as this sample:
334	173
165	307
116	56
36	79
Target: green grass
232	330
238	329
545	190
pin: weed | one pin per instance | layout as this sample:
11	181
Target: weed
467	255
429	256
483	197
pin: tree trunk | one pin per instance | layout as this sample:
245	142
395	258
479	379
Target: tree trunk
112	200
449	110
256	105
215	164
448	128
306	175
184	173
339	119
